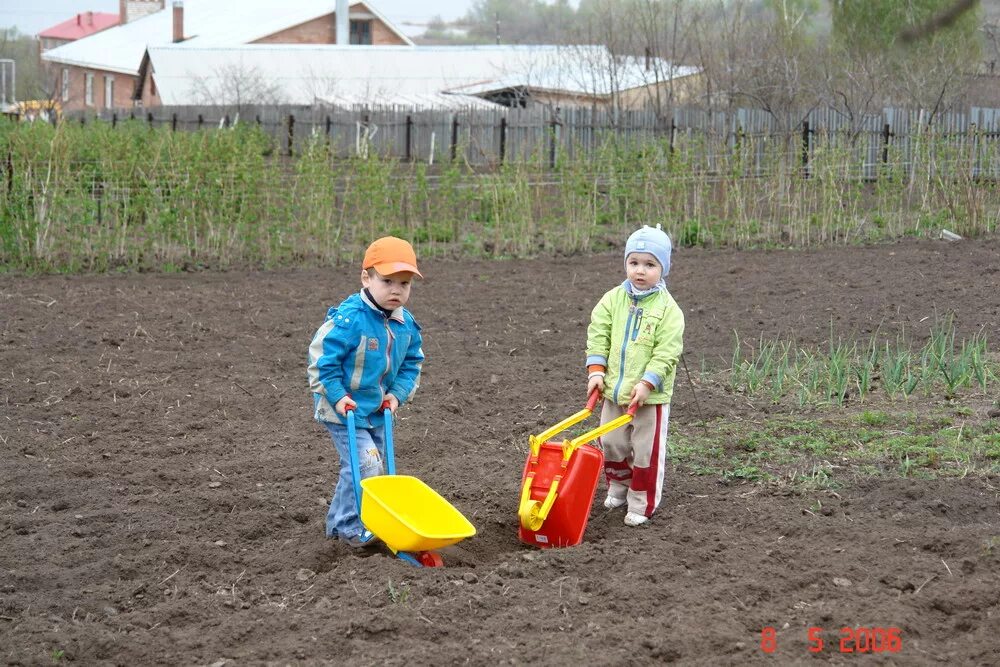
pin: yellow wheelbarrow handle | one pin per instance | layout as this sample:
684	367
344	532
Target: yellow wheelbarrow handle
570	446
536	441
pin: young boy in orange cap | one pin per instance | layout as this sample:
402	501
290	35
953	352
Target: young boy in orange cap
368	351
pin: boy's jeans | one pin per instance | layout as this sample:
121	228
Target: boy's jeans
342	520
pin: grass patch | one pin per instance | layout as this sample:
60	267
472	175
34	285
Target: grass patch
816	454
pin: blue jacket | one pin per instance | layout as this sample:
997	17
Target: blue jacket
362	352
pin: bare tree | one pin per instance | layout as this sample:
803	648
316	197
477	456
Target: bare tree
762	59
664	37
237	86
854	88
719	41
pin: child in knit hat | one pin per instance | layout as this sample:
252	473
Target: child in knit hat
634	342
367	353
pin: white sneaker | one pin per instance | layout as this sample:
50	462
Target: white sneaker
611	502
633	519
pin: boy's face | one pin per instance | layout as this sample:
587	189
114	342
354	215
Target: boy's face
643	270
390	292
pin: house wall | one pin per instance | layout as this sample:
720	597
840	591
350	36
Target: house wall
320	30
686	90
557	99
46	43
150	97
382	35
130	10
123	87
323	30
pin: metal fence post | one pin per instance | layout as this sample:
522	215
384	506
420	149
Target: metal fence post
291	134
503	138
409	137
885	143
10	173
100	200
454	138
805	149
553	125
173	122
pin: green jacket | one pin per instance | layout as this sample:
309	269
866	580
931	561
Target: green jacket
636	339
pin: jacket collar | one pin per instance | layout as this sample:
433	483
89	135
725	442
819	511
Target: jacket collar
396	314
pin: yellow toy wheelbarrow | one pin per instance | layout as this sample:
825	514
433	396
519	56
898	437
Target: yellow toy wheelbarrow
411	518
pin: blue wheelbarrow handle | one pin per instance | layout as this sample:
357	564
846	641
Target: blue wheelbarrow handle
390	452
352	446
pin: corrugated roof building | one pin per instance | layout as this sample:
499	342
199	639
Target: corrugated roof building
112	58
431	76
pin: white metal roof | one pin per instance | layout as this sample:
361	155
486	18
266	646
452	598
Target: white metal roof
411	76
206	23
581	70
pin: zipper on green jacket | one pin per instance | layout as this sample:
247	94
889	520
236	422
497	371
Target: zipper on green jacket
629	333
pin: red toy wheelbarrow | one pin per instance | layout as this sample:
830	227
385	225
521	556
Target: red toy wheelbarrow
559	481
411	518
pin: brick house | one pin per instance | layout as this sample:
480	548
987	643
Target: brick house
101	71
82	25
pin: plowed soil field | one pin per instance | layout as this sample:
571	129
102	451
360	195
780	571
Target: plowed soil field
164	486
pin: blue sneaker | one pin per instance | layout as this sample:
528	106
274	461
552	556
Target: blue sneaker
365	538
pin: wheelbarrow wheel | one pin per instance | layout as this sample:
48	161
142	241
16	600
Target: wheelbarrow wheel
431	559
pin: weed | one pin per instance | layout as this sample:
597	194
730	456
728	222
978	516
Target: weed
819	477
399	594
874	418
990	543
743	473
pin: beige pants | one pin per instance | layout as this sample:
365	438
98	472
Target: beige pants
635	456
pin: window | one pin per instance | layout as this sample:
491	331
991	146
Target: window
152	86
109	92
88	89
65	85
361	32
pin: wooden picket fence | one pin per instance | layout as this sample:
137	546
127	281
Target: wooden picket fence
489	137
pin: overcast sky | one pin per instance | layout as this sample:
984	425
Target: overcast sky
33	16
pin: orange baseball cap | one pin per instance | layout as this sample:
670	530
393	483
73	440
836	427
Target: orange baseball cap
389	255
